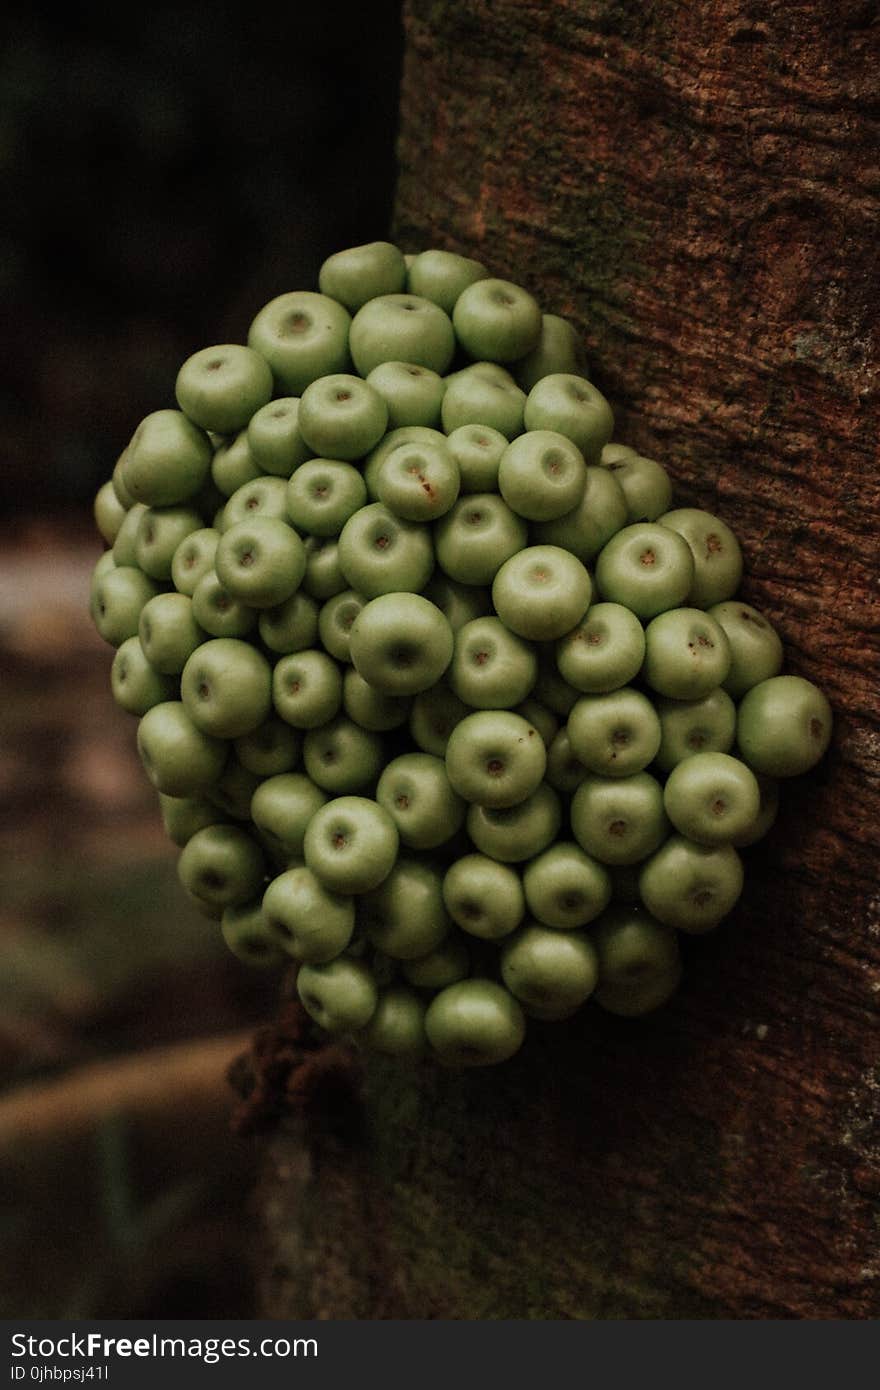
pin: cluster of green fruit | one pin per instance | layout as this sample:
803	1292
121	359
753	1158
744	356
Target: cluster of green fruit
401	732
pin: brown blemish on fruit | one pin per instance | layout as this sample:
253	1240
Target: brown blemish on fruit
204	690
339	839
495	767
704	641
696	740
620	738
594	639
703	897
297	323
215	364
816	728
480	658
382	542
402	802
343	395
713	544
719	806
647	558
246	559
617	828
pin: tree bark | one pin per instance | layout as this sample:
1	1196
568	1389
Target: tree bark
696	186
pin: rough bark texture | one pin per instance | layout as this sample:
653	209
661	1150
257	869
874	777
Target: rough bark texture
696	185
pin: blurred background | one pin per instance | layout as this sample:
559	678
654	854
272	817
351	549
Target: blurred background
165	171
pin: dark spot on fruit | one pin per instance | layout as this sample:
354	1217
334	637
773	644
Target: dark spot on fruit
748	617
697	739
594	638
495	767
403	655
470	910
279	414
320	490
415	371
576	393
204	690
382	542
210	878
339	839
480	658
474	518
409	307
713	544
570	902
620	738
246	559
343	396
704	641
532	733
816	729
703	898
294	685
503	297
719	806
222	602
617	828
252	503
648	558
298	322
149	535
402	802
328	755
281	927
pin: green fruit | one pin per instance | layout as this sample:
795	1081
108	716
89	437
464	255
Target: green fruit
474	1023
484	896
222	865
513	834
259	498
226	687
712	798
341	757
180	759
716	551
604	652
220	388
401	643
496	321
303	336
281	809
565	888
755	647
360	273
442	276
351	844
690	886
599	515
274	440
418	482
397	1028
541	593
416	792
491	667
341	417
323	494
167	461
305	919
401	328
783	726
550	972
482	395
169	633
194	558
476	536
379	553
477	449
244	931
405	917
614	735
542	475
136	685
118	599
646	567
557	350
340	996
260	562
645	484
494	758
574	407
687	654
707	725
619	820
306	689
412	394
291	626
215	610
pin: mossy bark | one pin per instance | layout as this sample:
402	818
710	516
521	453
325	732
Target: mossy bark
696	186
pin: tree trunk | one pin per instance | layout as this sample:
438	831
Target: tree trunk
696	186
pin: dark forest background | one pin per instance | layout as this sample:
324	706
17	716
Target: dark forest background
165	170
